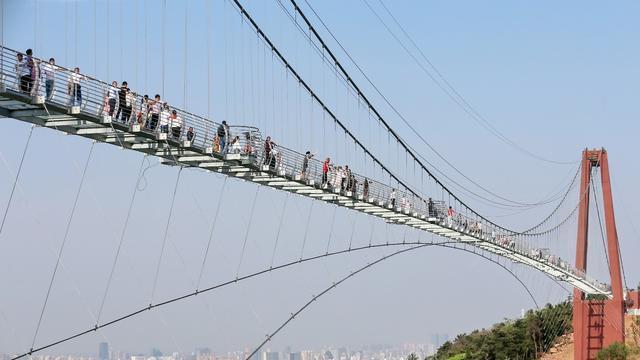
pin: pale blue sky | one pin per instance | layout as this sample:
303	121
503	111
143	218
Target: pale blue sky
554	77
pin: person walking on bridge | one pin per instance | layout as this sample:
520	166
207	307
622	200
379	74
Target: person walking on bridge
49	74
365	190
392	198
325	171
305	164
430	208
450	214
155	106
176	124
112	98
74	88
32	72
22	73
223	135
268	146
124	108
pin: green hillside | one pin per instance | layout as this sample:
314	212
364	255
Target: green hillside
524	338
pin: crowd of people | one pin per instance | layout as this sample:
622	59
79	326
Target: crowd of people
120	103
155	115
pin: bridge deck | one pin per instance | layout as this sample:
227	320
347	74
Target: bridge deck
280	169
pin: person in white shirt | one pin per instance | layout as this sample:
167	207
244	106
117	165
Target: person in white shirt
130	104
22	73
235	145
164	119
49	75
392	198
155	108
112	97
74	88
176	125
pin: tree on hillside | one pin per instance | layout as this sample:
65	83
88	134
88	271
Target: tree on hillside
615	351
524	338
412	356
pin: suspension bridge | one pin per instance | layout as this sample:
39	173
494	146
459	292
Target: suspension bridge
66	100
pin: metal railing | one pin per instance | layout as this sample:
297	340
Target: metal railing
156	117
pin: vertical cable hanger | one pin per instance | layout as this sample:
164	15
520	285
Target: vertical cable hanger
243	83
95	39
75	24
146	48
121	44
186	57
66	32
209	50
164	39
136	45
107	47
35	24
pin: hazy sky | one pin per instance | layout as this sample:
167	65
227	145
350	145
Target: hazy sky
554	77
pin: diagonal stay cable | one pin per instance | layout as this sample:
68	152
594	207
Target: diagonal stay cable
333	219
64	241
15	181
124	230
246	233
275	246
208	289
164	239
213	229
356	272
325	291
446	244
306	230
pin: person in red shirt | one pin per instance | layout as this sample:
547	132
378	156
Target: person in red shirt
450	214
325	171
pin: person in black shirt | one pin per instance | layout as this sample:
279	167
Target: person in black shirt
124	111
223	134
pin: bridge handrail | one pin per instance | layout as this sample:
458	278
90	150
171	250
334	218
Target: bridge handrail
94	101
282	161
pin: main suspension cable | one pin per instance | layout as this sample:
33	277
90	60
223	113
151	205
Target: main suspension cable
350	82
454	95
347	132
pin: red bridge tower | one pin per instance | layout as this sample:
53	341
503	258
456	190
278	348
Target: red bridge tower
597	323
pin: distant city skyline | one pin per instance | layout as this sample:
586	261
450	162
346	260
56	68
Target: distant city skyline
369	352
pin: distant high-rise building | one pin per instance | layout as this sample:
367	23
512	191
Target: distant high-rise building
103	351
156	353
270	355
295	356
